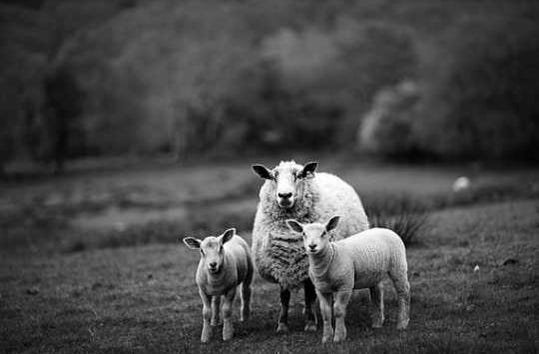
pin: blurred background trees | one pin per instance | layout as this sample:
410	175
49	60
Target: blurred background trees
449	80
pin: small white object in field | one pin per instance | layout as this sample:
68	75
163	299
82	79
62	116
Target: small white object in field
476	268
461	184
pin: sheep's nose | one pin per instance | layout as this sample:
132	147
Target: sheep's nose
285	195
213	264
312	247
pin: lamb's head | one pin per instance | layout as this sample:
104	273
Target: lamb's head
315	235
211	249
287	181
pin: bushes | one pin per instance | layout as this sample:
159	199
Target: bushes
482	105
213	77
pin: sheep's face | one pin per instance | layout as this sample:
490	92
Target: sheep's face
315	235
288	181
211	249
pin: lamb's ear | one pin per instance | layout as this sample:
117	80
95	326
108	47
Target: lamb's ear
308	170
294	225
192	243
262	171
227	235
332	223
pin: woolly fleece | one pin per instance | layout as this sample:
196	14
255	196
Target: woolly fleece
278	252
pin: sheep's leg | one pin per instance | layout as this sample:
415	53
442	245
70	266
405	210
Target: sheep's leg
339	310
215	304
283	315
245	301
309	310
377	300
402	286
246	292
325	300
206	315
228	328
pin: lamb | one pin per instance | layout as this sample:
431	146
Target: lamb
359	261
293	191
225	263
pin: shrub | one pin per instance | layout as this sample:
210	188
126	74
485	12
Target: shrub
402	214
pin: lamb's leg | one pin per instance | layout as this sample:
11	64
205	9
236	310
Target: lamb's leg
325	300
283	315
377	301
228	328
309	311
206	315
402	286
339	310
245	301
215	303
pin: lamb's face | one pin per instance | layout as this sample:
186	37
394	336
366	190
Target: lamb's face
287	181
315	238
315	235
212	252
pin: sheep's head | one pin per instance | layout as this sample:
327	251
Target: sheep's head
315	235
211	249
287	180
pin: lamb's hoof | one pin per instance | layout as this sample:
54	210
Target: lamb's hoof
244	317
228	335
338	339
377	323
214	323
402	325
310	327
282	328
325	339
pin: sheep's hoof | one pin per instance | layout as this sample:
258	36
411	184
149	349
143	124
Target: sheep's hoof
214	323
282	328
310	327
325	339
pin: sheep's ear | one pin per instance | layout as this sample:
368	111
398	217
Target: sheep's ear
309	169
332	223
192	243
262	171
227	235
294	225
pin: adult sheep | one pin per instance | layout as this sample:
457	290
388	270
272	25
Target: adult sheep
293	191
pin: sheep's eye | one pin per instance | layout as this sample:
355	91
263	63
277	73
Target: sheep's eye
202	252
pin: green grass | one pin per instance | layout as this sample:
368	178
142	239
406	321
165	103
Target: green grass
144	298
70	287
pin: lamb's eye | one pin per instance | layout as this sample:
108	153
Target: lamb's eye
201	252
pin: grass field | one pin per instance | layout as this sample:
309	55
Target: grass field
91	262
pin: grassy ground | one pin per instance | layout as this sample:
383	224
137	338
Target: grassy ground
90	262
